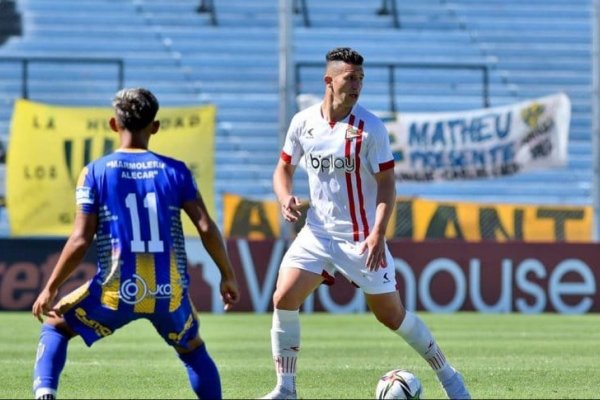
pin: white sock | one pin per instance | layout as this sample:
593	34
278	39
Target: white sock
39	392
419	337
285	345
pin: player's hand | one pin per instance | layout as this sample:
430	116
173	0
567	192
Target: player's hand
42	305
375	245
290	208
230	294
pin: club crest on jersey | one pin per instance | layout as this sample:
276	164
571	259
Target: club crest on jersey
352	133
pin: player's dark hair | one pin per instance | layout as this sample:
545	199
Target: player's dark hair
345	54
135	108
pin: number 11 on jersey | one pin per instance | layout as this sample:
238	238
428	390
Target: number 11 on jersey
155	245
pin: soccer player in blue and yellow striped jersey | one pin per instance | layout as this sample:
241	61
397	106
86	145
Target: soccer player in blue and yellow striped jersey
130	201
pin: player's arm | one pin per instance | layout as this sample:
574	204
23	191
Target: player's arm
71	256
282	186
215	246
386	197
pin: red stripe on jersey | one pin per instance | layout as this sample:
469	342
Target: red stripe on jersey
361	197
386	165
286	157
349	185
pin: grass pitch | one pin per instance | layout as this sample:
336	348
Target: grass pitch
511	356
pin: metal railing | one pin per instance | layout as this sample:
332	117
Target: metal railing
27	61
389	7
391	67
301	8
208	6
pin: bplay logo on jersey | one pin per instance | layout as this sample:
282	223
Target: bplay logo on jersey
330	163
135	289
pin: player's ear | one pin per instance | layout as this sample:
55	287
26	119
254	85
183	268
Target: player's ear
113	124
155	126
327	79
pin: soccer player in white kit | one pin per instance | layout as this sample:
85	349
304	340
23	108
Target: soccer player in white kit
350	170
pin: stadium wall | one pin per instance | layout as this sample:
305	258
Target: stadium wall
433	276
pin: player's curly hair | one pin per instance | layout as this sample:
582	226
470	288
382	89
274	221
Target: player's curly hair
345	54
135	108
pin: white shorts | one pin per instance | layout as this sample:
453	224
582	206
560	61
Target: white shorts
318	255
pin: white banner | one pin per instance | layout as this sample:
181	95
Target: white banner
483	143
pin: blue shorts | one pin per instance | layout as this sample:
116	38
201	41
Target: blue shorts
92	320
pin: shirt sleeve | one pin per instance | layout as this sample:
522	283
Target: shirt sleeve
86	193
380	151
189	187
292	149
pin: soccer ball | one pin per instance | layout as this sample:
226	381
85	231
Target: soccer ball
399	384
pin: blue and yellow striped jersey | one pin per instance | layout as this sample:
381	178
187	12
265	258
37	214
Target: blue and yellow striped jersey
138	196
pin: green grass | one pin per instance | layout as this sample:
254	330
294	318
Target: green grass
513	356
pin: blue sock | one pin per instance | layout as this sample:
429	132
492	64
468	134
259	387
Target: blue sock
203	373
50	359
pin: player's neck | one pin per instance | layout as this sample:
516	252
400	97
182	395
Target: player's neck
334	112
133	142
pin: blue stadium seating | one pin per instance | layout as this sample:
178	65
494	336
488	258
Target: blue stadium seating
543	47
532	48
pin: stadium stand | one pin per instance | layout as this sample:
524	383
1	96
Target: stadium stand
543	47
87	29
530	52
231	59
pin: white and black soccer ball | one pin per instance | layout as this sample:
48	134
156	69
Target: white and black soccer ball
399	384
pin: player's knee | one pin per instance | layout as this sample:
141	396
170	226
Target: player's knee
61	325
278	299
192	345
285	301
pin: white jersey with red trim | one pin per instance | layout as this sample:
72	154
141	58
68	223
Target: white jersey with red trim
340	162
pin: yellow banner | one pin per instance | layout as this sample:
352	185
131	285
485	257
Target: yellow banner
251	219
419	220
49	145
